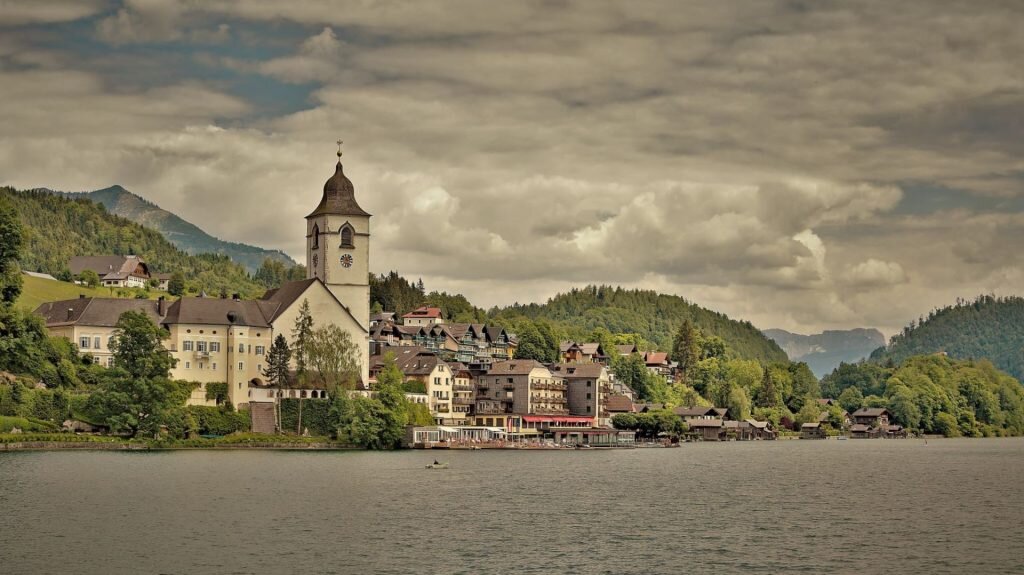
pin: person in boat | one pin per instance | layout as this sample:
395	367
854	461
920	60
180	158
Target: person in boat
436	462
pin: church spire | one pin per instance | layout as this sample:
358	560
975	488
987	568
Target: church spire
339	195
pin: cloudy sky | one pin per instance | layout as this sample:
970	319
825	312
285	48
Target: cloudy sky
804	165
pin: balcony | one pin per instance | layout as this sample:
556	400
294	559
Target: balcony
202	355
441	408
462	387
508	386
464	401
491	410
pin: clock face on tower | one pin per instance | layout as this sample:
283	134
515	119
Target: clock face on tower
346	260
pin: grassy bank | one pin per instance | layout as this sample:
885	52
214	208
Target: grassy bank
36	291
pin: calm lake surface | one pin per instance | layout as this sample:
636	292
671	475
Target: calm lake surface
948	506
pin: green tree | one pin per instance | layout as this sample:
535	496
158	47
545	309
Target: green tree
301	333
738	403
851	399
176	285
376	422
686	349
532	343
134	405
332	358
633	373
768	395
12	237
90	278
137	347
278	360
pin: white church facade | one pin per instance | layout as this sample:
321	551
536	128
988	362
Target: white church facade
227	340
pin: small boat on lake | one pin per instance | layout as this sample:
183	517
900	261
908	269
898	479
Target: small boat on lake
437	465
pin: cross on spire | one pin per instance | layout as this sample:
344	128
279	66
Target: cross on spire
339	147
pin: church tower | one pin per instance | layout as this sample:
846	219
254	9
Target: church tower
338	245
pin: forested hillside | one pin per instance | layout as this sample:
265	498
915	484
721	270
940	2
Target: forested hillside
57	228
934	394
651	315
986	328
184	235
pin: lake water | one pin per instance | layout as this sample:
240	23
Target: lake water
948	506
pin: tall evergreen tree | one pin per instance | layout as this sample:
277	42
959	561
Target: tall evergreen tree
686	349
768	395
11	240
280	355
301	335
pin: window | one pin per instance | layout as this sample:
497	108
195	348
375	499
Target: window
588	396
259	368
588	409
215	366
241	348
241	366
110	362
200	346
588	383
96	342
110	340
214	346
83	342
259	350
316	236
186	345
188	365
437	381
346	236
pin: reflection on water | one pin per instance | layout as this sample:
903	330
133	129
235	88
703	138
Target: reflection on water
951	506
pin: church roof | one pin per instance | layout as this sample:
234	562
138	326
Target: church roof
339	197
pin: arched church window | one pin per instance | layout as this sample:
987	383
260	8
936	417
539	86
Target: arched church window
346	236
316	236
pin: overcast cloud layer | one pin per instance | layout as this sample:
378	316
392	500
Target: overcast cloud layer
801	165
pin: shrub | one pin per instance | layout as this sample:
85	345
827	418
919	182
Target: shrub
219	421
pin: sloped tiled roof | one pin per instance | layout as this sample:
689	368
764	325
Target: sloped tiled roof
579	370
211	311
94	311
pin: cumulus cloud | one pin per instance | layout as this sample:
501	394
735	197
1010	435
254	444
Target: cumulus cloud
873	273
753	162
19	12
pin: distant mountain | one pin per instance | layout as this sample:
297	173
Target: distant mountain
823	352
185	236
987	328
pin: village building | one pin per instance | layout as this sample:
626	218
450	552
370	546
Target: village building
877	417
588	386
518	394
707	429
113	271
423	316
658	363
573	352
812	430
616	404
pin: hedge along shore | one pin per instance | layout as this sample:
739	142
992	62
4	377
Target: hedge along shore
13	443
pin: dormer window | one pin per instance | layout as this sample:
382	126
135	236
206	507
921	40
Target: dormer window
316	236
346	236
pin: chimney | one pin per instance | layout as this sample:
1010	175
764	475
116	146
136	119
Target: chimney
160	306
236	296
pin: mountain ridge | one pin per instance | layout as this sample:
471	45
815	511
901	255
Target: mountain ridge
824	351
183	234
